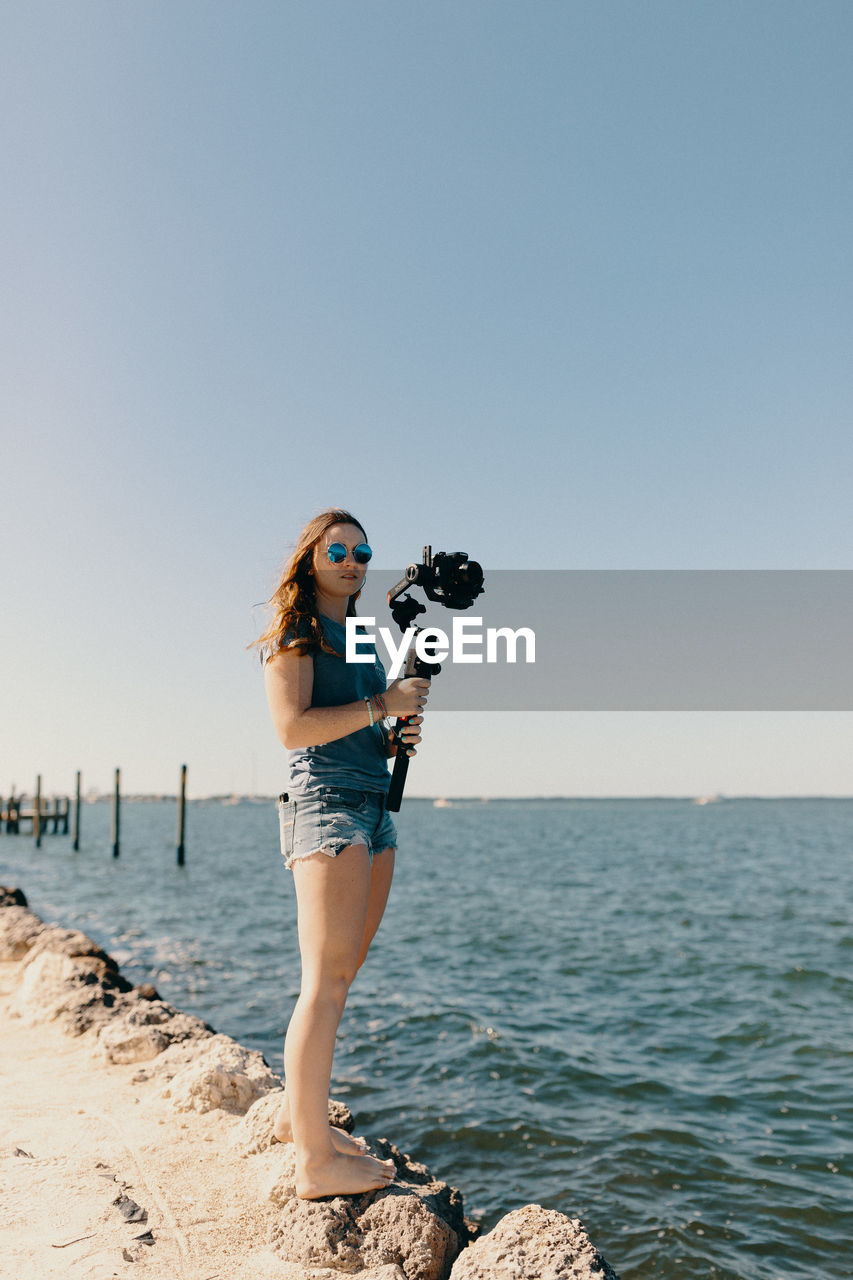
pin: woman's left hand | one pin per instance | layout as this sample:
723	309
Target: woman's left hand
410	735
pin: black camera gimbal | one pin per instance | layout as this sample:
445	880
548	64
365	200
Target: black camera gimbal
450	579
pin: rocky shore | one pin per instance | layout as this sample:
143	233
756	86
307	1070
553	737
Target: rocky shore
137	1141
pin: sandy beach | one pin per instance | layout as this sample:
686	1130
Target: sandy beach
101	1177
137	1141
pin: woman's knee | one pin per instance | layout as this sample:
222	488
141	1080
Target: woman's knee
329	986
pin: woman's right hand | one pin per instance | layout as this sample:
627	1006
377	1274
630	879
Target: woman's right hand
407	697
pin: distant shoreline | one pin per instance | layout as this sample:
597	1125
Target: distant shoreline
144	798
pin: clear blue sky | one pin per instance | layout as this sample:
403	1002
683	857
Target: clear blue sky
562	284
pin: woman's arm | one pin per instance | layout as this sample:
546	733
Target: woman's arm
289	680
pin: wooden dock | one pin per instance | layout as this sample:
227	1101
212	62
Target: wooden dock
42	815
54	815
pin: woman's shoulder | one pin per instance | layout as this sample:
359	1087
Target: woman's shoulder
298	631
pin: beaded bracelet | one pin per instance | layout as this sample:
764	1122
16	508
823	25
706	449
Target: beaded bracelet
370	711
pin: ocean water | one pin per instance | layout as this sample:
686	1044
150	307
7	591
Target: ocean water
639	1012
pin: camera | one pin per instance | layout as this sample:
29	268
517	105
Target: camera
448	578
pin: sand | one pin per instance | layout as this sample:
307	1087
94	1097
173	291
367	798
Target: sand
77	1134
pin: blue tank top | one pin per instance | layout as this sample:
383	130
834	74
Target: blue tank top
359	759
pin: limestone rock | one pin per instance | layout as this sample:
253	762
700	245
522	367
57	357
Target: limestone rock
439	1197
387	1228
340	1115
533	1244
318	1233
55	985
416	1224
10	897
278	1270
66	976
254	1132
399	1227
142	1028
179	1054
19	928
80	947
221	1073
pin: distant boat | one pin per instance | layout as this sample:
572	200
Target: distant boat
441	803
714	799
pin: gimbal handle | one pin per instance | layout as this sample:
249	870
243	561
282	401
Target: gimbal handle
414	666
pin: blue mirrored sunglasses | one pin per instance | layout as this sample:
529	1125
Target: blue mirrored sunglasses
337	553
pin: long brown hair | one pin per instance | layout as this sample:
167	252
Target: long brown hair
294	601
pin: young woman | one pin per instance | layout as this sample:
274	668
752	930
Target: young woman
336	835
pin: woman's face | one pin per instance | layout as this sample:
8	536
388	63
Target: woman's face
338	581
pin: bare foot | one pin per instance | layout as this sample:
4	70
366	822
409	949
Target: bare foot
342	1175
341	1140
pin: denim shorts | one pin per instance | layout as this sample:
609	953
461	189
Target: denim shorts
329	819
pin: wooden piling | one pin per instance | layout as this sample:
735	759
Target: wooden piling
115	823
76	844
182	799
37	813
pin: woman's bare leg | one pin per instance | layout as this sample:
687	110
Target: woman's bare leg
382	871
333	896
381	874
